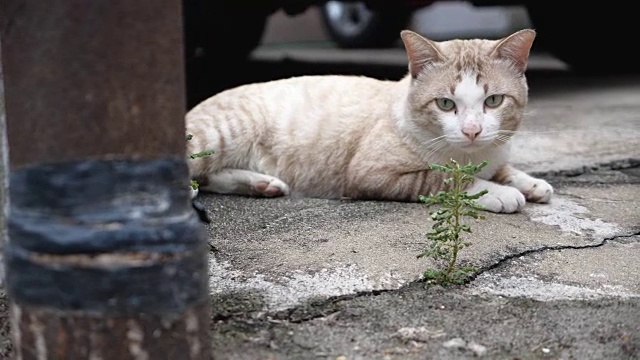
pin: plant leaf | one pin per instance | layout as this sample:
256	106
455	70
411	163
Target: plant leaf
201	154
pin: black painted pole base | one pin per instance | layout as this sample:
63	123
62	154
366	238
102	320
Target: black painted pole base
107	260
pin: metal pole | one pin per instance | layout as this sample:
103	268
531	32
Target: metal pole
106	258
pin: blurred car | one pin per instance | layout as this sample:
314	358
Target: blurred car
581	34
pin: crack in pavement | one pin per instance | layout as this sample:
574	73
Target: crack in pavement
546	248
290	314
622	164
318	309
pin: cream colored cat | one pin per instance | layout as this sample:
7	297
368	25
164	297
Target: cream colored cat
362	138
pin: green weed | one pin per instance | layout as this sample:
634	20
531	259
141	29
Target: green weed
446	236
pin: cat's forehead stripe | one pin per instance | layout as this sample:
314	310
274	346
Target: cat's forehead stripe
468	89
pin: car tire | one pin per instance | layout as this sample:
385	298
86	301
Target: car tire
589	45
354	25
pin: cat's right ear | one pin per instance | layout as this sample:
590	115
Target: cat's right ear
420	51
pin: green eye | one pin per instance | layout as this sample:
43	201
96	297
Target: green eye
493	101
445	104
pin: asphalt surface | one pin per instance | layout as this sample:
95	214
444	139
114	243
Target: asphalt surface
299	278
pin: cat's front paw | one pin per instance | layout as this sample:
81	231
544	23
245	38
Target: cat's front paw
500	198
537	190
533	189
503	200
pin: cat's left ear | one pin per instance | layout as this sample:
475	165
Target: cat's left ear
516	47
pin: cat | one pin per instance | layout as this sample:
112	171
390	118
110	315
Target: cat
338	136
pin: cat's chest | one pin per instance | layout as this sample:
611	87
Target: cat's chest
495	158
491	169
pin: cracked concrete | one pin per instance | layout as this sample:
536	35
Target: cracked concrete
290	250
296	278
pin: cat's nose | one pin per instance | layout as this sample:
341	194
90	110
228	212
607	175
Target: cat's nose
472	131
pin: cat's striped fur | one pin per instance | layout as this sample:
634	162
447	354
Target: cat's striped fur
362	138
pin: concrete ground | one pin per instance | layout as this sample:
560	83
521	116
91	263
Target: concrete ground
299	278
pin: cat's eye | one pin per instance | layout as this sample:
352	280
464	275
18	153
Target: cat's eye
493	101
445	104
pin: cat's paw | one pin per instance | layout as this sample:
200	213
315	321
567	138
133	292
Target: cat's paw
534	190
503	200
272	187
499	199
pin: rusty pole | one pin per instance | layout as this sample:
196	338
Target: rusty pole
106	258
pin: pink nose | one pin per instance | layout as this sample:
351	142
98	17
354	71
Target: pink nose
472	131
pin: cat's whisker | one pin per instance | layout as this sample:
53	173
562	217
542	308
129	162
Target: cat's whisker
437	148
502	134
536	132
509	134
501	140
434	151
435	140
496	134
517	132
434	143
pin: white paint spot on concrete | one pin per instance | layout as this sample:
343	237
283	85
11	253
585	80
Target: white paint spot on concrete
419	334
597	275
570	217
537	289
455	343
477	349
289	290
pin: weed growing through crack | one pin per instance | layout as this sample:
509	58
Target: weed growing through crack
447	232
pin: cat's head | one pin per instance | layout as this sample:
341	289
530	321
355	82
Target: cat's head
471	92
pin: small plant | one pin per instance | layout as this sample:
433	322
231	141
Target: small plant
194	184
446	235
